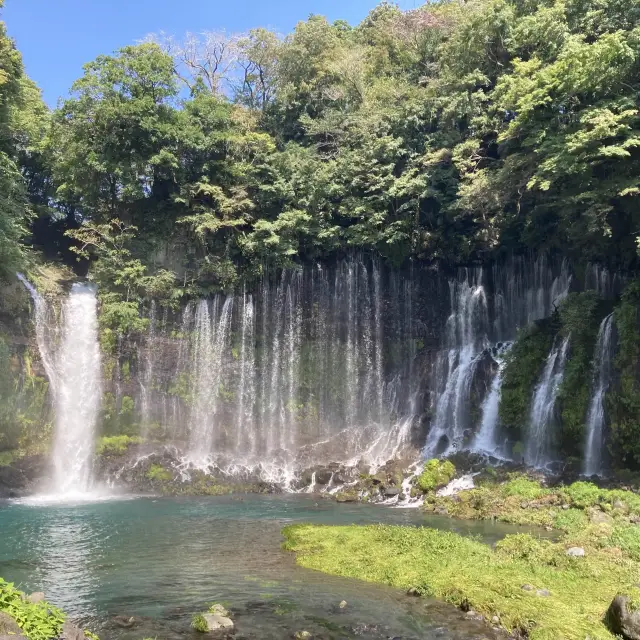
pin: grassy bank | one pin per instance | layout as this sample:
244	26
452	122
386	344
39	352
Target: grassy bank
563	597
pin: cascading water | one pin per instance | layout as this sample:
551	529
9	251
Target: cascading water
293	373
466	339
538	448
73	368
486	440
596	414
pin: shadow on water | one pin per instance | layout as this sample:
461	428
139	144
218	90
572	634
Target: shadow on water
161	560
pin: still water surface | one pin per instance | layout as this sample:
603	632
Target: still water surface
162	559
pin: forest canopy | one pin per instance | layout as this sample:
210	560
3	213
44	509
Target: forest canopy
451	133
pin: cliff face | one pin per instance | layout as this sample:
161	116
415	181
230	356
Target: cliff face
345	363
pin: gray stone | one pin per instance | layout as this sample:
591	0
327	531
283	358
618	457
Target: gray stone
599	517
565	507
618	504
528	587
8	626
495	620
219	610
391	492
575	552
35	597
71	632
217	622
621	621
544	593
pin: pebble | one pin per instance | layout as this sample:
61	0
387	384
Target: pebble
343	604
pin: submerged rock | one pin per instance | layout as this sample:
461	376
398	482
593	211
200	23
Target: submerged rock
216	622
621	621
71	632
35	597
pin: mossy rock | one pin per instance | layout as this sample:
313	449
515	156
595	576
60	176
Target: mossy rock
436	474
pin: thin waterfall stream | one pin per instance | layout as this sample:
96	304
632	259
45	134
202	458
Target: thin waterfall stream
596	415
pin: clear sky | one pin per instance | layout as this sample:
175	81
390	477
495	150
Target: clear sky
56	37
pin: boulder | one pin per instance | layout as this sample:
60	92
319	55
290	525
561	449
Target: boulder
35	597
219	610
621	621
71	632
391	492
8	626
575	552
323	476
216	622
600	517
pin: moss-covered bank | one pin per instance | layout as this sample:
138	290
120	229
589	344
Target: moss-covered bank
531	586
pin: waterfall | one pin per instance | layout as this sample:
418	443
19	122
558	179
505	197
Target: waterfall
486	440
538	448
294	372
146	377
596	415
73	368
466	338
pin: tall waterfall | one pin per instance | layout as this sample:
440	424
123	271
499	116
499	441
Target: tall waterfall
466	339
71	355
538	448
596	415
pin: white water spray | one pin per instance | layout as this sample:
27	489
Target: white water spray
596	415
73	368
538	447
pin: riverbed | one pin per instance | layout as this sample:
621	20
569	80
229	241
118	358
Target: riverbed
160	560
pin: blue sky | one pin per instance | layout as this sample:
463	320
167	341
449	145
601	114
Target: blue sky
56	37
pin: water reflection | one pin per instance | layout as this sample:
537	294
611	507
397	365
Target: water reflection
162	560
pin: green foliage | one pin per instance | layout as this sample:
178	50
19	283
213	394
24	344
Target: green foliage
524	364
623	402
524	488
39	621
115	445
580	315
584	494
436	473
465	571
158	473
198	623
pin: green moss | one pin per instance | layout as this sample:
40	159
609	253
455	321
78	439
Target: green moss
623	401
198	623
115	445
523	366
158	473
580	315
524	488
466	572
436	473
